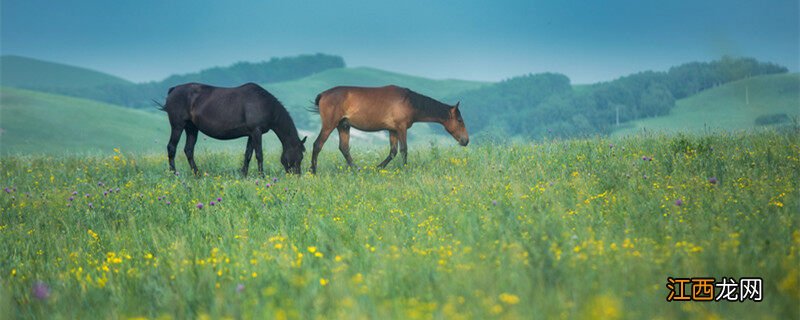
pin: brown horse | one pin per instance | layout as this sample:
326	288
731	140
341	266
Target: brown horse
385	108
230	113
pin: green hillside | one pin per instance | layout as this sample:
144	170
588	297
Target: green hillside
35	122
301	93
24	72
727	106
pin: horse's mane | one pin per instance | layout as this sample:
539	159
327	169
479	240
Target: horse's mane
427	104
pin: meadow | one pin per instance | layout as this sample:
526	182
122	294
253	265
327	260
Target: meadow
585	228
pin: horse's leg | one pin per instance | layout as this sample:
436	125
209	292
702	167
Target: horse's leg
392	151
344	142
191	139
401	135
323	136
256	137
248	153
172	145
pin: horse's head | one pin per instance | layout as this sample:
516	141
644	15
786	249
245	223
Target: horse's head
455	126
292	156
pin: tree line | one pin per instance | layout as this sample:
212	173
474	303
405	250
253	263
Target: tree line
547	105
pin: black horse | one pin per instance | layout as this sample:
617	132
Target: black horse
230	113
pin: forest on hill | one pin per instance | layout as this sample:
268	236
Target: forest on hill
546	104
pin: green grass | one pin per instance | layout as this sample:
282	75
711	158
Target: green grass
726	106
24	72
558	229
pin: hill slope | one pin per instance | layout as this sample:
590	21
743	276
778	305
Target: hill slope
726	107
35	122
31	73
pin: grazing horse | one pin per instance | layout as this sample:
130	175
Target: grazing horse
385	108
230	113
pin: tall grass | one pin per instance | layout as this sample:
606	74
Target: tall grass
560	229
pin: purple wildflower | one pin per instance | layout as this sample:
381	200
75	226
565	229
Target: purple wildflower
256	182
117	190
212	203
239	288
7	190
494	202
712	180
71	198
219	199
100	184
274	180
268	185
40	290
611	146
169	203
200	205
91	206
679	202
74	193
88	195
105	193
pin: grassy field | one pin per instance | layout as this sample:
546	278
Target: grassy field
733	106
557	229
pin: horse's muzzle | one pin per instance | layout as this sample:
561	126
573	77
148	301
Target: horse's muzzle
463	142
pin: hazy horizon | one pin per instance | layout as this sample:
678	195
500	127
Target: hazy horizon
150	40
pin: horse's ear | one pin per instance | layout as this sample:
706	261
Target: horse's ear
456	106
304	139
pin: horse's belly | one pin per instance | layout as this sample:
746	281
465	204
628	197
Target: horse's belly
371	122
220	134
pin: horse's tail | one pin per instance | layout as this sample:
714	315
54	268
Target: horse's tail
315	108
160	106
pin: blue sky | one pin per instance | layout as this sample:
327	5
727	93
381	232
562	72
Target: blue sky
589	41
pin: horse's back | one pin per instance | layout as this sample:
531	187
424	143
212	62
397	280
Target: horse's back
365	108
221	112
351	96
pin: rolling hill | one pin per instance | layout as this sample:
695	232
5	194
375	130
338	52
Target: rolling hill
22	72
733	106
36	122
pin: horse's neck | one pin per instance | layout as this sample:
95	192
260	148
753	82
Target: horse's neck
435	114
286	131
